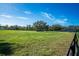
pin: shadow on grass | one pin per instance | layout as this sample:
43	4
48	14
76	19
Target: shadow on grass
5	48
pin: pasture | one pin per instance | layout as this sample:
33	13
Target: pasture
32	43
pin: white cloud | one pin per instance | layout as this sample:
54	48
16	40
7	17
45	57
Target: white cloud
14	20
55	20
7	16
22	18
13	17
27	12
65	19
60	21
49	16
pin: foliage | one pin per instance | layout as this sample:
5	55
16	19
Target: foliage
41	26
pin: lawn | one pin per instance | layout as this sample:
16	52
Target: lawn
32	43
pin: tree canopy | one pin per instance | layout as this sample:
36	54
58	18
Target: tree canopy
40	26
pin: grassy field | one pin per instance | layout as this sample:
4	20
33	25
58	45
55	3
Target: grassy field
24	43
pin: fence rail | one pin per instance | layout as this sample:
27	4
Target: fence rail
74	48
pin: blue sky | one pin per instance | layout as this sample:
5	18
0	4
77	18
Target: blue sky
27	13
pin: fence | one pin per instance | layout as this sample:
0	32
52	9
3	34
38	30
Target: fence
74	48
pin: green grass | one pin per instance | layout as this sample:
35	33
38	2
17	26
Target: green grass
24	43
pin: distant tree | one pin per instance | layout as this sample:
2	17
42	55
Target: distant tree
28	27
57	27
50	28
14	27
77	28
40	26
0	26
6	27
73	28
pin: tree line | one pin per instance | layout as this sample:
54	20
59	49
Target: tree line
41	26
